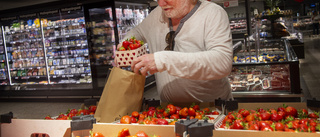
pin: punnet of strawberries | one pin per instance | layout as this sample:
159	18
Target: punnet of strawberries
130	44
284	118
168	115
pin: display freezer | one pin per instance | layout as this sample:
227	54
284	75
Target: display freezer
52	48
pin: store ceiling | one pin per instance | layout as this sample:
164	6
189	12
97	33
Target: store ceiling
10	4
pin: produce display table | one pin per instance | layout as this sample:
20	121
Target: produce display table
62	128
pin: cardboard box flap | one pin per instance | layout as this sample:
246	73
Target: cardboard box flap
111	130
254	106
247	133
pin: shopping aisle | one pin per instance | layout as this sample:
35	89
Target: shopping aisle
310	84
310	68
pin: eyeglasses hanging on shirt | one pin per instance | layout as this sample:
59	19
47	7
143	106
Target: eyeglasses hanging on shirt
170	40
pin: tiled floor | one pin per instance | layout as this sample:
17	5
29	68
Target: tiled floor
310	84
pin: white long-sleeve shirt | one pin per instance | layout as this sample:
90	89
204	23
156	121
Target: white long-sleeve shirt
197	69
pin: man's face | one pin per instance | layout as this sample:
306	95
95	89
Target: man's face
175	8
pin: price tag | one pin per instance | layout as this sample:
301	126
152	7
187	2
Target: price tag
54	76
16	78
73	66
82	75
81	65
37	77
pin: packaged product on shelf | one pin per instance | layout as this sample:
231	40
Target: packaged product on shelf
29	72
24	72
58	62
81	70
50	62
47	43
73	70
3	75
52	71
44	71
24	63
54	62
14	73
42	63
64	61
14	55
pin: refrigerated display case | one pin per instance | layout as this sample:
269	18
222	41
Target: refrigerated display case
48	48
265	69
57	47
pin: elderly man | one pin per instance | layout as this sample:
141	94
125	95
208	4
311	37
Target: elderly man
191	50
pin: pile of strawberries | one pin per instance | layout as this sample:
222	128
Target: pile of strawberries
131	44
160	116
284	118
74	112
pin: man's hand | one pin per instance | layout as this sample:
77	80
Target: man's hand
144	64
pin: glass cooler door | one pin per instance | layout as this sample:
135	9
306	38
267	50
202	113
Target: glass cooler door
4	77
101	36
25	50
67	48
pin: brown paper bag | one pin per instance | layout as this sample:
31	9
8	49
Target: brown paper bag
122	94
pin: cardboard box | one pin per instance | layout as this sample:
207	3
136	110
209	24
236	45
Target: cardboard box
111	130
247	133
250	133
26	127
125	58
